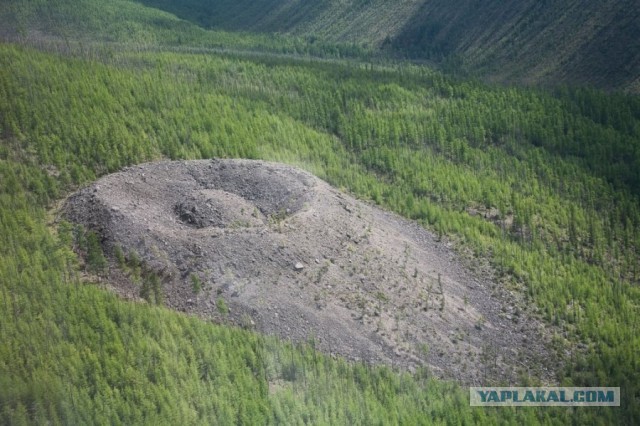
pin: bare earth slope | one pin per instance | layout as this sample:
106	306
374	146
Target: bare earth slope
289	255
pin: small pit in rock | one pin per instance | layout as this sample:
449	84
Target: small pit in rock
219	209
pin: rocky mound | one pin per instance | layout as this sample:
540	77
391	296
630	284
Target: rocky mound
271	247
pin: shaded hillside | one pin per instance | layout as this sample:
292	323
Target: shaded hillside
522	41
517	41
354	21
576	42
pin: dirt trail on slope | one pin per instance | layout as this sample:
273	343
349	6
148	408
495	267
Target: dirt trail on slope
291	256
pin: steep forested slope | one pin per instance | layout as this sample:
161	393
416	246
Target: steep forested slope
355	21
578	42
524	41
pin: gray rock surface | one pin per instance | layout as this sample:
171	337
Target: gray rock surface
292	256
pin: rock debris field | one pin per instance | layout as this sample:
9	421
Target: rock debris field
275	249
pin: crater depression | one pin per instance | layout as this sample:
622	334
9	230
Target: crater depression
273	248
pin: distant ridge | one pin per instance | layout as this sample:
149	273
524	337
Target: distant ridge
581	42
532	41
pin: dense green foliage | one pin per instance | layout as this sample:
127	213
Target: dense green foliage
366	22
595	42
545	186
125	22
75	354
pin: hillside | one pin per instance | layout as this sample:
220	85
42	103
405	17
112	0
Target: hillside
517	41
538	189
353	21
531	41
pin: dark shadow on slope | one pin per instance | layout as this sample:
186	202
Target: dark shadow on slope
590	43
243	15
442	28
